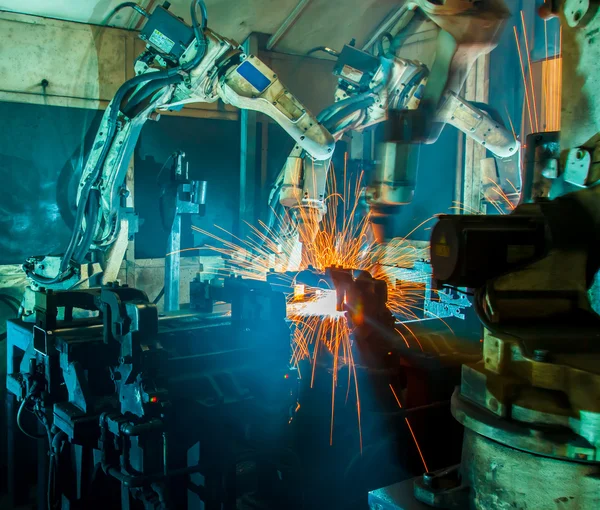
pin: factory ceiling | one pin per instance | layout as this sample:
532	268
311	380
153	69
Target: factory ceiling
313	22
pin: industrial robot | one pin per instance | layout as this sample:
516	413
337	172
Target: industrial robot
373	87
530	407
181	65
128	407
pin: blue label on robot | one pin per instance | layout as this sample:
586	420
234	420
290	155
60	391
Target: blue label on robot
253	76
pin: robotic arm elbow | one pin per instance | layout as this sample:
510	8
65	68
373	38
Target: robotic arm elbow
251	85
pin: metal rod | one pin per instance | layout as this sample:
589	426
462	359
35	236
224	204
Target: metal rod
248	148
172	266
385	27
165	453
287	24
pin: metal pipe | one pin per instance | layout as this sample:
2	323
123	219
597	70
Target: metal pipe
172	266
165	453
132	429
387	25
248	142
287	24
173	257
141	480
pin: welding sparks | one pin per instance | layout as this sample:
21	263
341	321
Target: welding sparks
550	104
412	433
503	202
321	333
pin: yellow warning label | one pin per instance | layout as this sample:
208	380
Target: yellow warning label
442	250
443	239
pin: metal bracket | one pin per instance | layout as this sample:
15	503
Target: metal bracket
442	489
447	306
577	165
119	321
575	11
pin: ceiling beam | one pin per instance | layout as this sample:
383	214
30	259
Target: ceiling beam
387	25
287	24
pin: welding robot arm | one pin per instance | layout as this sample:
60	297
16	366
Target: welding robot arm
362	99
369	86
467	30
181	65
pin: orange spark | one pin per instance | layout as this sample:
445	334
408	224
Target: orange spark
512	127
320	333
417	445
411	431
524	78
545	79
395	396
537	127
560	62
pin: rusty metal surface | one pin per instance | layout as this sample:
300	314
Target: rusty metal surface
503	478
556	391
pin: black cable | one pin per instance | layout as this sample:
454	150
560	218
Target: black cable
325	49
124	5
12	302
56	444
347	123
333	109
159	297
380	51
198	33
19	413
146	91
162	168
336	107
410	85
347	111
90	227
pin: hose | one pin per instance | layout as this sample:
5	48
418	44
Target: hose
90	227
325	114
12	302
159	296
419	76
199	35
19	414
325	49
123	5
112	120
147	91
55	448
380	51
347	111
328	112
348	123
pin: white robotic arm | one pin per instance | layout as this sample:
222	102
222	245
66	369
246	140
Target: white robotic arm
368	88
181	65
